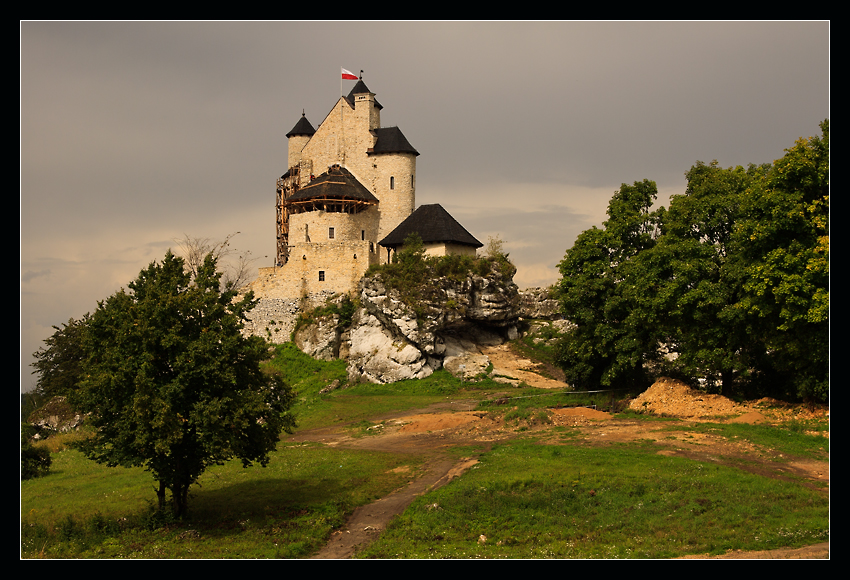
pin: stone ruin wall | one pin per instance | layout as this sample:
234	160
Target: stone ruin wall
274	318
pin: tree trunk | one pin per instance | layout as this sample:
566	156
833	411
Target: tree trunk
727	378
180	498
160	495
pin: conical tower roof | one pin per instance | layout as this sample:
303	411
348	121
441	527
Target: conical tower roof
360	88
302	127
391	140
433	224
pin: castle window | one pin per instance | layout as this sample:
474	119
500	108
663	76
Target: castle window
321	275
362	234
330	233
392	182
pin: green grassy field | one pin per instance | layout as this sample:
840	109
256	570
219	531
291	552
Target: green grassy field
529	500
285	510
528	497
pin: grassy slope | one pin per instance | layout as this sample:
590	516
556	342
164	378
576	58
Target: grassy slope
526	499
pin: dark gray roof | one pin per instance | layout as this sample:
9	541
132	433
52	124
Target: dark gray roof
433	224
391	140
359	88
336	183
302	127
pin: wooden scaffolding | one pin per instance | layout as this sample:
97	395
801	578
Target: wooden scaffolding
287	185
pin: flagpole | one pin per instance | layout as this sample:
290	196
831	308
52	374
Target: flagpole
341	122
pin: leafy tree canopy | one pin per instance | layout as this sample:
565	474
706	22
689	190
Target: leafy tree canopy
732	279
784	244
170	382
611	342
58	362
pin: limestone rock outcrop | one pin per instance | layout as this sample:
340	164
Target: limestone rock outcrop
540	303
391	340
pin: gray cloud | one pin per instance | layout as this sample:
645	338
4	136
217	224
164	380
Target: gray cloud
136	133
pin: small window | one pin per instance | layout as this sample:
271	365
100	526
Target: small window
330	233
362	234
392	182
321	275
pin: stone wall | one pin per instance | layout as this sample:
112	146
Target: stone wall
274	318
444	249
316	269
398	201
314	227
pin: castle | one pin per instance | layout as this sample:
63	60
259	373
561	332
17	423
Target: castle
347	201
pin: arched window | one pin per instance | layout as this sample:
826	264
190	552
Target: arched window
392	182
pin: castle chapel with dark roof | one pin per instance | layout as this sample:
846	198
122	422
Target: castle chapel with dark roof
347	201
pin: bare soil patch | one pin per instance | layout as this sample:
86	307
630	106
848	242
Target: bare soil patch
508	363
434	430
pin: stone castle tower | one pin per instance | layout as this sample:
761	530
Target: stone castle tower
380	177
348	186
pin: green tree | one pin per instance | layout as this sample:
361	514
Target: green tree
784	245
695	272
733	278
611	341
171	384
58	363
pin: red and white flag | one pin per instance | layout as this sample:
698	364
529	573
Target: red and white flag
346	74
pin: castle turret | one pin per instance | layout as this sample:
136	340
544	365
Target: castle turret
349	185
298	138
367	110
393	160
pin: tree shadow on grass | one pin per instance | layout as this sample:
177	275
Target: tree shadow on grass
276	498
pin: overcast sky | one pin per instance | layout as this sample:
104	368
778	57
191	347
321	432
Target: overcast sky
133	135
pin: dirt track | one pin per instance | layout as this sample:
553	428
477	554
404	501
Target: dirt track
431	431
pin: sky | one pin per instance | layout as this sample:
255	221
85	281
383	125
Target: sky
134	135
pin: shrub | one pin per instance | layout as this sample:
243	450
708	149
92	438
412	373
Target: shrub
411	270
35	461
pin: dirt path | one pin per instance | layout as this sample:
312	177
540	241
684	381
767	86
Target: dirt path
432	431
367	522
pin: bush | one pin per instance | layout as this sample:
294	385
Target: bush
35	461
411	269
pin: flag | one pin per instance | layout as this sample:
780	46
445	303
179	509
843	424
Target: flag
349	75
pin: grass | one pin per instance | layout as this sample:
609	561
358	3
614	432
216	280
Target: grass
562	499
787	440
357	403
286	510
527	500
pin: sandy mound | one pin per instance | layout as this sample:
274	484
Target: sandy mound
672	397
581	412
436	421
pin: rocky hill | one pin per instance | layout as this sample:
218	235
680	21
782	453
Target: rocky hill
391	337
